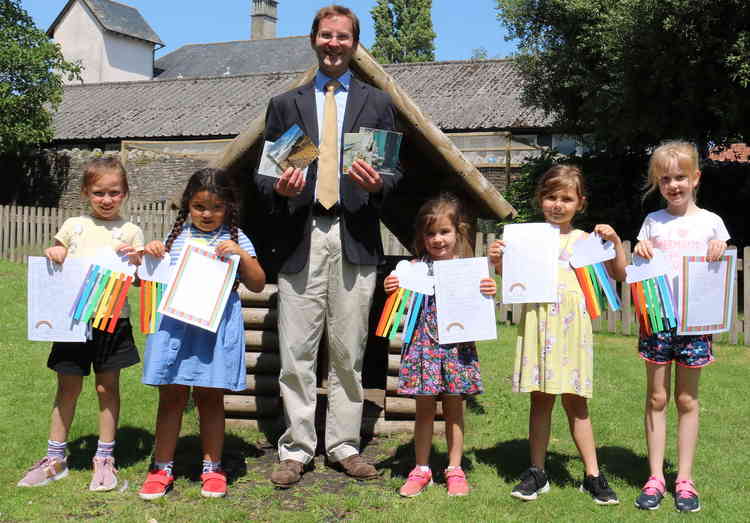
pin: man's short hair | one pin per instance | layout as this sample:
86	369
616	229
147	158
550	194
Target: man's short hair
335	10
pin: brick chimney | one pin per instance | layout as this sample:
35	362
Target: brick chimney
263	19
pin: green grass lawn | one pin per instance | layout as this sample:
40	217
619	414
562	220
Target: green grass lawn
496	448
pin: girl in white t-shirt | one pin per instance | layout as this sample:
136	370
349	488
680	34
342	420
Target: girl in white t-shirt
680	229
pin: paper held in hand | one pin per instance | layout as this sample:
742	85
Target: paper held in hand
707	294
530	261
463	312
199	286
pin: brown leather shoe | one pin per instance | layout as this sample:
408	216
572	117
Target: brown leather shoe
356	467
287	473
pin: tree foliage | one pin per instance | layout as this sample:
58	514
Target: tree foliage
403	31
635	72
31	69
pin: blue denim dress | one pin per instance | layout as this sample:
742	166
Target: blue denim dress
183	354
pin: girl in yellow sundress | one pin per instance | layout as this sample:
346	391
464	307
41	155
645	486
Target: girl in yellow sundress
554	348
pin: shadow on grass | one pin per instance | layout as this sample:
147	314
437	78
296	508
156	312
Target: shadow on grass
511	458
402	461
189	456
627	465
133	445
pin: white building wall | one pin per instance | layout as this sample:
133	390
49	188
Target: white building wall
105	56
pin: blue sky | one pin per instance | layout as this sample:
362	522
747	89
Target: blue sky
179	22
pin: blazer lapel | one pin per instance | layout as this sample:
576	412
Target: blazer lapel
355	102
305	101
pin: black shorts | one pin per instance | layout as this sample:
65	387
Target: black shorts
105	352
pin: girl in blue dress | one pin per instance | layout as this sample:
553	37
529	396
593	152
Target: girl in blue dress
179	355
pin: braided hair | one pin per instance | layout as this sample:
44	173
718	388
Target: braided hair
214	181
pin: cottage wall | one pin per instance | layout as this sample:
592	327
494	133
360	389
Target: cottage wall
105	56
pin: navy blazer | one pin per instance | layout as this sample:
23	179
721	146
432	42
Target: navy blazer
366	106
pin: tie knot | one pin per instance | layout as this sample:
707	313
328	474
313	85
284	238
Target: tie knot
332	85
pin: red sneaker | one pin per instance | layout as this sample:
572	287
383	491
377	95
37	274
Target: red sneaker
214	484
158	483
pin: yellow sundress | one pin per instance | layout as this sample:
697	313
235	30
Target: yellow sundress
554	348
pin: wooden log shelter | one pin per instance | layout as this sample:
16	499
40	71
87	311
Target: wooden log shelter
431	164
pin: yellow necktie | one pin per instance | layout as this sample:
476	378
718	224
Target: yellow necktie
327	187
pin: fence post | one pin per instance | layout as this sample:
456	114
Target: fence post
746	295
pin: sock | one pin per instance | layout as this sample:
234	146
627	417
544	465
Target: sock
424	468
104	450
164	465
56	449
456	467
211	466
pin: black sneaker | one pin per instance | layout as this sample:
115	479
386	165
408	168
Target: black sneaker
651	494
599	490
533	482
686	497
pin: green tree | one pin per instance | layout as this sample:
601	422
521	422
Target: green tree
480	53
403	31
635	72
31	71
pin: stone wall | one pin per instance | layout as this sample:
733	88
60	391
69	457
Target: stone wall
52	177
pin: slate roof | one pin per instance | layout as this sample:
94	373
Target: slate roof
236	58
115	17
456	96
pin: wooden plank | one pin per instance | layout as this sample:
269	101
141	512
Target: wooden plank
401	407
12	237
3	230
260	318
262	341
262	385
256	406
262	362
746	295
266	298
370	426
394	363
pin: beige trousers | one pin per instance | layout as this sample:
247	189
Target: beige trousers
329	291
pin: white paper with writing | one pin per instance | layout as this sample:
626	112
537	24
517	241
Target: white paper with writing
530	261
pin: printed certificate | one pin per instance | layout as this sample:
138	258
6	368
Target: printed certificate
199	286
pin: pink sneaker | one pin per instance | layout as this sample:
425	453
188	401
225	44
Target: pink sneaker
456	480
417	482
44	471
214	484
105	474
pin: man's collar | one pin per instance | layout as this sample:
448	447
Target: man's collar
321	80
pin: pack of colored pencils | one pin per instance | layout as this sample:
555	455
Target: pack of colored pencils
652	299
597	289
151	294
401	304
101	298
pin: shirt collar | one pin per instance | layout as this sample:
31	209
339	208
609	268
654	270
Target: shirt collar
321	80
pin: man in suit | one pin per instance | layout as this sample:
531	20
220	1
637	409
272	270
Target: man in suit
327	237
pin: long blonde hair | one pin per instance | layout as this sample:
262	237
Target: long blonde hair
685	154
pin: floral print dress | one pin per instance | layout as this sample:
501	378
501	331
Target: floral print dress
431	369
554	347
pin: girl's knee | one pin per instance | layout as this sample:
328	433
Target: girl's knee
686	403
173	396
575	406
206	397
657	400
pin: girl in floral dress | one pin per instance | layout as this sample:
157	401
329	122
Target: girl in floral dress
554	348
430	370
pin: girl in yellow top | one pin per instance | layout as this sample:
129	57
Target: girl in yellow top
105	186
554	349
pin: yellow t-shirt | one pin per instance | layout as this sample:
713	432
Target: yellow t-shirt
83	236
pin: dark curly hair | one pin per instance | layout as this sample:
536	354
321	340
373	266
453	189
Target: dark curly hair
215	181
